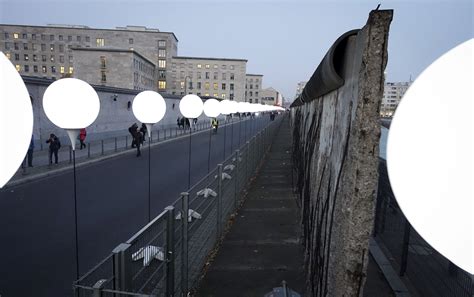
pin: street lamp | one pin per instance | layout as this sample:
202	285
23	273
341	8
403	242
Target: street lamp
149	107
71	104
15	109
191	107
211	110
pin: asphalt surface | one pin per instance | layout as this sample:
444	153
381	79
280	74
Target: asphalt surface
37	250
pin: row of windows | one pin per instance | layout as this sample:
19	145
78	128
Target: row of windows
223	96
44	69
100	42
207	86
143	67
207	75
34	46
251	93
251	86
207	66
250	80
35	58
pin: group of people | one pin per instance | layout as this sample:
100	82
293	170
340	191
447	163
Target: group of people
138	136
184	123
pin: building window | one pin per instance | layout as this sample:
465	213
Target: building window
207	94
182	85
216	86
162	85
161	73
102	62
61	69
162	53
198	75
35	68
207	75
100	42
43	37
162	43
52	58
216	66
35	58
43	47
198	85
43	58
250	94
60	37
256	86
231	96
18	67
70	59
162	63
103	77
51	46
7	35
33	46
181	74
256	93
251	86
17	57
224	77
232	67
223	96
61	48
250	100
27	68
216	75
206	86
223	86
71	69
53	69
130	41
15	46
15	36
208	66
51	37
7	45
88	39
256	100
25	46
232	87
199	66
216	95
69	38
25	57
43	68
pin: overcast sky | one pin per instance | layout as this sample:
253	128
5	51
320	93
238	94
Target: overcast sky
283	40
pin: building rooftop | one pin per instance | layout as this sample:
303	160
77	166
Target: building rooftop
140	29
116	50
248	74
203	58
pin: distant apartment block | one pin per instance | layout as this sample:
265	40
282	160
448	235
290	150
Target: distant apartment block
299	88
253	87
218	77
270	96
392	95
56	51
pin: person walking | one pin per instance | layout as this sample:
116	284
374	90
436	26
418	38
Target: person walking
137	138
54	146
144	131
82	137
215	125
132	129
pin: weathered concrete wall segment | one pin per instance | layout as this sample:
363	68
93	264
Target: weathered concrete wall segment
335	138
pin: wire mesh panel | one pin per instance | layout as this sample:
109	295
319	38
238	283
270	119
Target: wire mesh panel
102	276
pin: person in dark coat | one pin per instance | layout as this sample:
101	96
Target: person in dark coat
82	137
144	132
132	129
137	138
188	125
54	146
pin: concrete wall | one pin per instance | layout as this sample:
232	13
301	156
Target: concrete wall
114	117
336	139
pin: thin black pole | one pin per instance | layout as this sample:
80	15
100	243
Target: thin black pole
240	127
149	179
75	212
209	156
232	134
189	165
225	131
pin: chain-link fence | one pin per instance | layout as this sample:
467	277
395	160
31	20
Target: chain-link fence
167	257
429	272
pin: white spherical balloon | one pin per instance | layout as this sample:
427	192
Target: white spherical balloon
225	107
211	108
16	120
71	103
191	106
149	107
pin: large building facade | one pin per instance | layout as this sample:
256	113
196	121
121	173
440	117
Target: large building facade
220	78
392	95
49	51
270	96
253	88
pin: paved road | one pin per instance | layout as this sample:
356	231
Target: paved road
37	255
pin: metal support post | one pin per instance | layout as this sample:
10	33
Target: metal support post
88	150
170	251
126	141
184	242
102	144
164	132
219	199
70	155
236	177
121	271
406	241
115	143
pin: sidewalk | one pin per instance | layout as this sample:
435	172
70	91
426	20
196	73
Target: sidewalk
262	247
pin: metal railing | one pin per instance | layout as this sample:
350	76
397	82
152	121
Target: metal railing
429	272
167	256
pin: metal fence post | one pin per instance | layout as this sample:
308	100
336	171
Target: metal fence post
184	242
171	131
236	177
88	150
247	159
70	154
151	137
406	241
175	132
164	132
219	199
170	251
158	138
102	145
115	139
121	272
126	141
